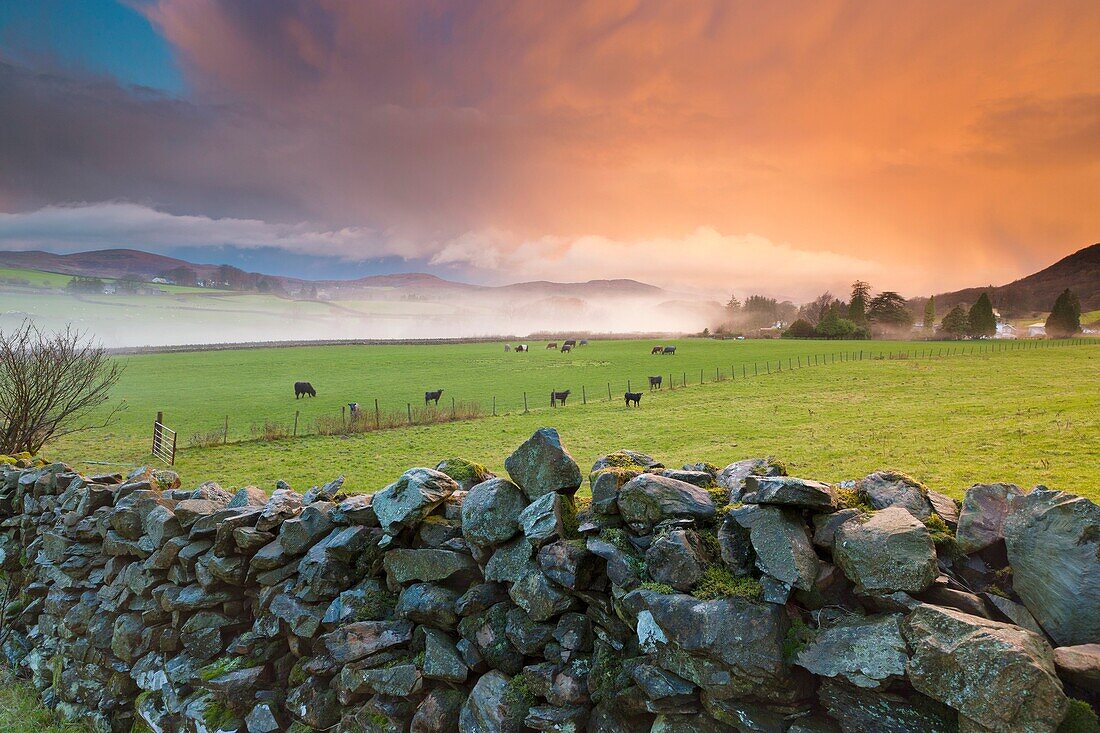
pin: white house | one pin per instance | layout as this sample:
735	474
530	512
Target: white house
162	281
1037	330
1005	331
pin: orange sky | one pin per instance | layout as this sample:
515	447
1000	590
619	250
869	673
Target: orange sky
779	146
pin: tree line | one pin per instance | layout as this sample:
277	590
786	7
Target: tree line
885	315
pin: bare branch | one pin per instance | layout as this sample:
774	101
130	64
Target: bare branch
51	385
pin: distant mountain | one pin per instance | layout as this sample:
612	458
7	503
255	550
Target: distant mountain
1080	272
120	263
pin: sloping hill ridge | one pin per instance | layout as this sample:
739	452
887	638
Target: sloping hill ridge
119	263
1080	272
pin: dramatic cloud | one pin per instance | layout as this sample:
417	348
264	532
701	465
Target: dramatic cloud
724	144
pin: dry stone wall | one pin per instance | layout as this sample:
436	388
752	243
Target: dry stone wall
690	599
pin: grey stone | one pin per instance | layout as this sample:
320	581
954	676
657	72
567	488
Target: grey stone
789	491
405	502
730	647
983	513
428	604
676	558
860	710
780	543
544	518
648	499
490	512
441	659
486	709
542	465
1053	542
1079	665
867	652
997	675
403	566
884	489
889	551
732	477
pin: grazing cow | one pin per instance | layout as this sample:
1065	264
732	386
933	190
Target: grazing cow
556	397
669	350
654	382
507	348
566	349
656	349
570	343
354	407
635	397
552	345
304	388
520	348
430	396
584	342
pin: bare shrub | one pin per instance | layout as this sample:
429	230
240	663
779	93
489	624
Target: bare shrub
50	386
207	440
270	430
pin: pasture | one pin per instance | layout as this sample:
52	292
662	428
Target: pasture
1026	415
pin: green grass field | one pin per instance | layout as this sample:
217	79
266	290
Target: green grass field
1026	416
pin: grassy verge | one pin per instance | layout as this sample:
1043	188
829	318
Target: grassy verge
21	711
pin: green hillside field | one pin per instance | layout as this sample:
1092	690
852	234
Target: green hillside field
1025	412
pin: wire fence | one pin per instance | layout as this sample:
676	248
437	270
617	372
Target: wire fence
367	418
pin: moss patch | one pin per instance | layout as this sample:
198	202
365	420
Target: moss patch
225	665
1080	718
662	588
517	696
796	639
852	499
463	471
719	582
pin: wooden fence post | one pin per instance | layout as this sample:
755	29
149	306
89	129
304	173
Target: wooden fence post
377	416
453	415
628	385
584	396
225	432
700	376
609	391
156	431
409	407
295	433
685	379
494	405
525	410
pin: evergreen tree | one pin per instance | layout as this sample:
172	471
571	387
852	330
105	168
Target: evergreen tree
857	307
889	309
1065	317
930	313
955	324
981	318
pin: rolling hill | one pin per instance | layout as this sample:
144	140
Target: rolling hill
1080	272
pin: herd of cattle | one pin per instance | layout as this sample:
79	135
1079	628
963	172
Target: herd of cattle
305	389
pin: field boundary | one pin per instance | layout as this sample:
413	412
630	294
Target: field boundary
376	417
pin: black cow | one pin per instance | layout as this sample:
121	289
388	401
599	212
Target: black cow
430	396
635	397
570	343
520	348
654	382
669	350
304	388
584	342
566	349
656	349
556	397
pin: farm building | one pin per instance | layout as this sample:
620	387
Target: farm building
1036	330
1005	331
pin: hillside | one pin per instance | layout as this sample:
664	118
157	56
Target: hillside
120	263
1080	272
